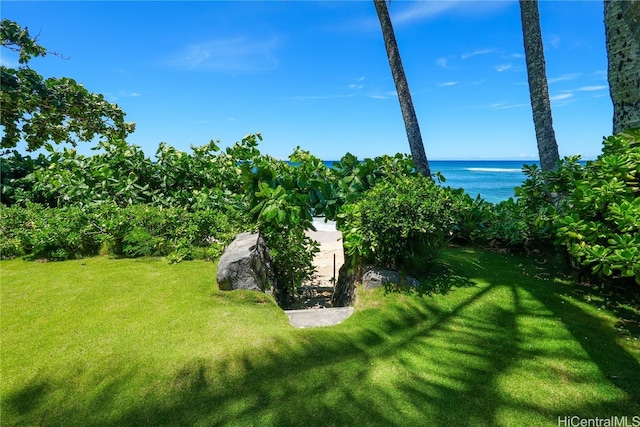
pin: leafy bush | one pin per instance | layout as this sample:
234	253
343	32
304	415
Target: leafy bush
602	229
473	218
528	221
14	240
351	178
510	226
280	206
592	211
121	174
400	221
42	232
13	169
137	230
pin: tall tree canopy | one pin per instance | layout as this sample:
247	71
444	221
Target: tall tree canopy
538	88
622	27
402	87
40	111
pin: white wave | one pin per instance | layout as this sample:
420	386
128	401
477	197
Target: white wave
494	170
320	224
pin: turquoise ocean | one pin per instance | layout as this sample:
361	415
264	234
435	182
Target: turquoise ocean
494	180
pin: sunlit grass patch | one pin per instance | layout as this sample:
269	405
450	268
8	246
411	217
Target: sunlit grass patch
140	342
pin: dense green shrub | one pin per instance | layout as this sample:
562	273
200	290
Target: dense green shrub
592	212
13	169
473	218
121	174
133	231
601	230
351	178
279	197
510	226
167	206
42	232
526	222
401	222
283	196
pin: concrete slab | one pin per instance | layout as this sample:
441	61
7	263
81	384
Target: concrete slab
314	318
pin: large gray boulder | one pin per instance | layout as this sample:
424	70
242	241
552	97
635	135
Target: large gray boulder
246	264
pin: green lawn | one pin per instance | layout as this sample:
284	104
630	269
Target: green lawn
102	342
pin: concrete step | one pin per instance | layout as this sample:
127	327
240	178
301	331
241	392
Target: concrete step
314	318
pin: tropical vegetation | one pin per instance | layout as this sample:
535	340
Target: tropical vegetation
532	310
39	111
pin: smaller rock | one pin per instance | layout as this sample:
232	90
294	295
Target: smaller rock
374	277
412	281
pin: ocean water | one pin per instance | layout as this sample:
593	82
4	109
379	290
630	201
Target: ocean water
493	180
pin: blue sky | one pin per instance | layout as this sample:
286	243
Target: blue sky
315	74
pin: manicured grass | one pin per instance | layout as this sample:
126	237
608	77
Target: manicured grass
101	342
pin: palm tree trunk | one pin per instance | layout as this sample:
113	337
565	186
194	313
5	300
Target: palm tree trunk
538	89
622	28
402	87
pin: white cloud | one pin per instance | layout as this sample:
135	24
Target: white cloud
122	94
554	41
592	88
445	84
503	67
317	97
506	106
384	95
561	96
229	54
423	10
564	78
442	62
476	52
358	84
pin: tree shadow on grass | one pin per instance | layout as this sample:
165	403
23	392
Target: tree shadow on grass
29	398
481	358
623	302
599	340
438	278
